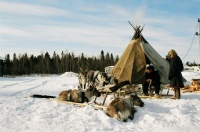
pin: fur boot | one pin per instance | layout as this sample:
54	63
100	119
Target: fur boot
177	93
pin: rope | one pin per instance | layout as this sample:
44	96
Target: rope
191	43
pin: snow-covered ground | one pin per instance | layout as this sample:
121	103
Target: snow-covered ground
20	113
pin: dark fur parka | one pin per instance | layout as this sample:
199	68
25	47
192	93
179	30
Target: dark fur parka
175	76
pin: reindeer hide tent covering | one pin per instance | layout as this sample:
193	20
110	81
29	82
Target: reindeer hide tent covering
131	65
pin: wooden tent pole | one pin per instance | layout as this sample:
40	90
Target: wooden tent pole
199	33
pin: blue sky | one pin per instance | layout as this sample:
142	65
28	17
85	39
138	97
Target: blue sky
89	26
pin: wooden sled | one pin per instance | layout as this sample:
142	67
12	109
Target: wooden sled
193	87
152	97
79	104
53	98
112	89
162	96
105	93
123	90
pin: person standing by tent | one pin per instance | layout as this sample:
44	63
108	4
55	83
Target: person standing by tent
175	76
152	78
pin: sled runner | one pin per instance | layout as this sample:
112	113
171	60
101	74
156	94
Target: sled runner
152	97
162	96
79	104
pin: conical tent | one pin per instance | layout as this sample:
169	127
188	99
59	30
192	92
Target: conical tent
131	65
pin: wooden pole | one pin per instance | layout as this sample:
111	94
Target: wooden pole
131	25
105	98
199	33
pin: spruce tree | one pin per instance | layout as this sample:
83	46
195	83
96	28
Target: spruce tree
47	63
15	65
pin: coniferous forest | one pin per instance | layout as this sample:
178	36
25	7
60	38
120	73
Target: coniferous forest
24	64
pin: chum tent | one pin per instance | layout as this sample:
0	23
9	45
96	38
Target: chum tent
132	64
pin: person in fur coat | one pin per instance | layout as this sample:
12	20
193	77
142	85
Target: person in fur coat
175	75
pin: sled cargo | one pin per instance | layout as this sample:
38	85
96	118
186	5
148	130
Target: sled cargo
193	87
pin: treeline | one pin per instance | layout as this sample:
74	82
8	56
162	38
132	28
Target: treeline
24	64
192	64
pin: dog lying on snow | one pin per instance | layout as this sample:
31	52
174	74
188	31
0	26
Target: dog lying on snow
123	109
78	96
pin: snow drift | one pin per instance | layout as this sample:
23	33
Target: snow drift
18	112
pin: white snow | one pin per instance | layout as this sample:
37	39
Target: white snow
1	58
20	113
